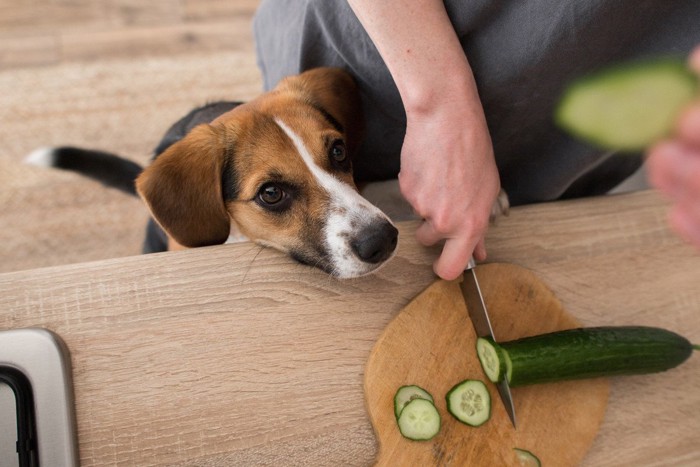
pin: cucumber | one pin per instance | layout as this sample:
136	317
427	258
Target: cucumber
419	420
583	353
627	107
496	362
526	458
406	394
469	402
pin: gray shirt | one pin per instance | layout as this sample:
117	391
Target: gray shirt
522	53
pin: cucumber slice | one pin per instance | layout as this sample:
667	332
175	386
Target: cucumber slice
419	420
627	107
526	458
493	359
469	402
406	394
585	353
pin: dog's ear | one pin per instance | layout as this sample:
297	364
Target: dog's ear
334	92
183	191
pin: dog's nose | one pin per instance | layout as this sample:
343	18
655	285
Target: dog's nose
376	242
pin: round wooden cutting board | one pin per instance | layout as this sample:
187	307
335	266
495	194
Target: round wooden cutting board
431	343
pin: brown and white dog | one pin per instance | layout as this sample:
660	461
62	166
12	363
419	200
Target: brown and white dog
277	169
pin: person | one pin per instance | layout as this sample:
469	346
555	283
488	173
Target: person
673	166
459	95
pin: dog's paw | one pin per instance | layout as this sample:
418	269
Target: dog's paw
501	207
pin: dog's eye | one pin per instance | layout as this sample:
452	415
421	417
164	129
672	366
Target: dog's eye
271	194
338	155
276	197
337	152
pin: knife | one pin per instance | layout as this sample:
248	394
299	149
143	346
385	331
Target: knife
482	326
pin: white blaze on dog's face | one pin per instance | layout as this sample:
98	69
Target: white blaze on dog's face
354	235
279	168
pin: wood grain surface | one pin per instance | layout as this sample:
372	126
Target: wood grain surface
236	355
48	32
432	344
111	75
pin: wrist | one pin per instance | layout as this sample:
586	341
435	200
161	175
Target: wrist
450	92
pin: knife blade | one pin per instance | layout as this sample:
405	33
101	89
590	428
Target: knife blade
482	325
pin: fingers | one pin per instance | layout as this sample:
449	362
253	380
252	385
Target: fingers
480	250
427	235
663	167
694	59
454	258
674	168
688	128
456	252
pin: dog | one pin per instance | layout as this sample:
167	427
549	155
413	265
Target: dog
276	169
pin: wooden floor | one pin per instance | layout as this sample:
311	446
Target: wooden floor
48	32
111	75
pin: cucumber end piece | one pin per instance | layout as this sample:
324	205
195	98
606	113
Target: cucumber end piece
492	360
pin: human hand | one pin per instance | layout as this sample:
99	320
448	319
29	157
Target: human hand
674	168
449	176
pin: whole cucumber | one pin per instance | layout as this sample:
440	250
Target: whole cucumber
585	353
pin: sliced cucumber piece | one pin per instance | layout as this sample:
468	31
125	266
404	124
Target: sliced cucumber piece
627	107
526	458
419	420
406	394
494	360
470	402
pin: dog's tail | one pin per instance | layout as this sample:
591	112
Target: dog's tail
109	169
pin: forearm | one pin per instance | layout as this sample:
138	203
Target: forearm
448	172
421	50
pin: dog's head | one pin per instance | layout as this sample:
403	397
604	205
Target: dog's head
279	170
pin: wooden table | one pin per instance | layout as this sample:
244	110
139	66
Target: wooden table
234	355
